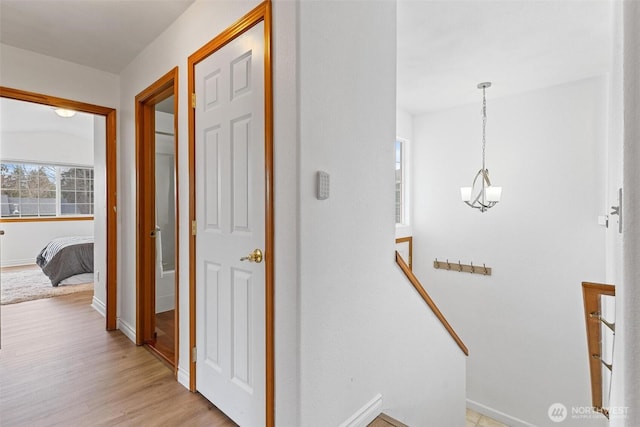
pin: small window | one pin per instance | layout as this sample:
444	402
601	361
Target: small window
32	190
400	182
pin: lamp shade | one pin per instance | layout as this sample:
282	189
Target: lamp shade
493	194
465	193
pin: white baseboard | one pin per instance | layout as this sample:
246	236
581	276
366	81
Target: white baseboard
99	306
366	414
18	262
497	415
183	377
127	330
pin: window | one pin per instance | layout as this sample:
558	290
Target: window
400	187
32	190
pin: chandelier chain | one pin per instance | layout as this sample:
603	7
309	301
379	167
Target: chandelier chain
484	125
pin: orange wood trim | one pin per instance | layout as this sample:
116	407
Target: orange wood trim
231	33
176	330
408	239
111	183
48	219
432	305
53	101
270	380
261	13
112	221
145	103
192	217
591	295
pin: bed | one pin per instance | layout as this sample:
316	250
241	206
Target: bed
65	257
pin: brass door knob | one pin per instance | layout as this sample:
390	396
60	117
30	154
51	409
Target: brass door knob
255	256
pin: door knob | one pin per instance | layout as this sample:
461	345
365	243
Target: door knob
255	256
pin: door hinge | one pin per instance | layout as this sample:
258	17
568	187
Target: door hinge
194	227
193	100
194	354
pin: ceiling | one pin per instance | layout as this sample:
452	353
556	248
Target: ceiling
21	116
444	47
102	34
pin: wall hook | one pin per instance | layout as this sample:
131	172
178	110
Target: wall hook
467	268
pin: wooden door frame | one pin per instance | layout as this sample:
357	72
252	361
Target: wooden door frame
146	101
261	13
111	280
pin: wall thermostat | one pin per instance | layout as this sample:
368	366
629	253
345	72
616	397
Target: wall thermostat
322	181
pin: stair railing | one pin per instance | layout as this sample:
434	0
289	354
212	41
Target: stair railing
599	305
427	299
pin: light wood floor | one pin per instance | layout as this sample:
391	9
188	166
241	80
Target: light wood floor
165	330
20	268
58	366
383	420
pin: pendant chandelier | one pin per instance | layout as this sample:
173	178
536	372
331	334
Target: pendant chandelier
482	195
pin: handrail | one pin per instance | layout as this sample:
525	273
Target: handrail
591	293
427	299
409	241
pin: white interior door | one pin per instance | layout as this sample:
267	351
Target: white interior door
230	215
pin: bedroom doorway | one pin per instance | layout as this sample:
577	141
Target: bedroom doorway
157	244
68	192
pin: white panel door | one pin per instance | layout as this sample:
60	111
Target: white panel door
230	215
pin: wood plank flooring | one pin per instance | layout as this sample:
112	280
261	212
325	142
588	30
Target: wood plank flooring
58	366
383	420
165	330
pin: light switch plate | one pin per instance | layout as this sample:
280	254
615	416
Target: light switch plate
322	190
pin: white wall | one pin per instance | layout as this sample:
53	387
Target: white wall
614	148
198	25
47	147
626	373
100	214
165	123
524	325
23	241
25	70
404	124
364	330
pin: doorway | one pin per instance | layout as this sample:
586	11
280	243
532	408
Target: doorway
157	213
105	208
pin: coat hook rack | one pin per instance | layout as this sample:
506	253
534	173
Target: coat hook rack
462	268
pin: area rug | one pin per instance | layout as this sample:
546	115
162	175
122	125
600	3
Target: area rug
25	285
